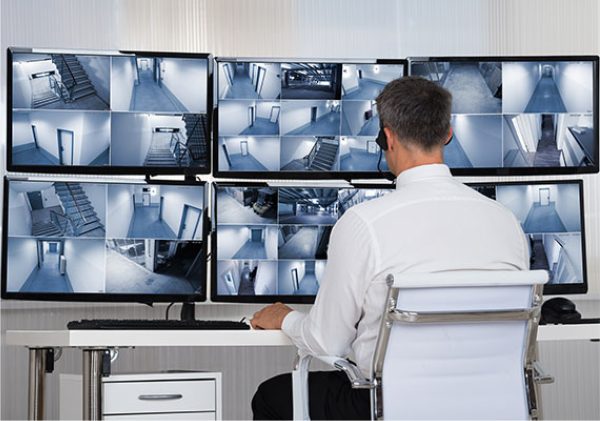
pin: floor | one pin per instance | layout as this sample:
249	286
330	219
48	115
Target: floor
543	219
455	156
242	88
102	159
470	93
367	89
123	276
295	165
245	163
321	218
262	126
230	211
547	153
326	125
546	98
251	250
47	278
31	157
361	160
145	224
148	96
43	215
302	92
302	245
370	128
538	254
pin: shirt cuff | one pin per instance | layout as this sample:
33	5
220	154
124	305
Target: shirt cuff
291	321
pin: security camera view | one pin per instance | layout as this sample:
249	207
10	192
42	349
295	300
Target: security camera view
510	114
69	237
300	117
273	240
107	111
550	215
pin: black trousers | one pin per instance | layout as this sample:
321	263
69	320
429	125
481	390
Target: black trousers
330	397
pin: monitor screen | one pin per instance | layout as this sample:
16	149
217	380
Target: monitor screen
300	119
519	116
98	241
108	113
551	215
270	243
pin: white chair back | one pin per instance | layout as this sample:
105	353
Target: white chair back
460	367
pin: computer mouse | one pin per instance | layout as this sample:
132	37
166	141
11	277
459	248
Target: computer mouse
559	310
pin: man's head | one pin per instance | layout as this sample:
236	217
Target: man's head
415	116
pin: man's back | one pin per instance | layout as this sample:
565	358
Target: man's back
430	223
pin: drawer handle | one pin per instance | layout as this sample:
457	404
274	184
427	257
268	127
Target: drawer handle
161	397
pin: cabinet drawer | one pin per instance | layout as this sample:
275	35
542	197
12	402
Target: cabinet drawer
168	416
160	396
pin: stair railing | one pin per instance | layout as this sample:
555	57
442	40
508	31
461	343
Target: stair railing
70	87
179	149
312	154
187	140
62	222
79	211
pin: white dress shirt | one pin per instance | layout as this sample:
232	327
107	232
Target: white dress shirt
430	223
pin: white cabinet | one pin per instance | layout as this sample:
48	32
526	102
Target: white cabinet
181	395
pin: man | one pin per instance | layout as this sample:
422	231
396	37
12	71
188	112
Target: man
431	223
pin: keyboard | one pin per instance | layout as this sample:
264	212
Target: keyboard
156	324
589	321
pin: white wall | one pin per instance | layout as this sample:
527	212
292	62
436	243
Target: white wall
231	239
187	80
120	210
567	206
233	117
296	114
515	198
21	129
265	150
122	81
21	86
320	270
130	138
95	137
353	112
518	83
96	193
22	260
266	278
271	242
223	83
85	264
271	88
574	81
47	123
175	198
349	78
19	222
223	164
98	71
295	148
263	109
481	138
49	195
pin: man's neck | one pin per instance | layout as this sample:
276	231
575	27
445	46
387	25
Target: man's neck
416	159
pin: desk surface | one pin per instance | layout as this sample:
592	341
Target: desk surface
138	338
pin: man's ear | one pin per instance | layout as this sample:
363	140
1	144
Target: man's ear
390	138
450	134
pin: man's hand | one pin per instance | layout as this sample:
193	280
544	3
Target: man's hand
270	317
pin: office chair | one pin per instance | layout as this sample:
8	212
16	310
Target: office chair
452	345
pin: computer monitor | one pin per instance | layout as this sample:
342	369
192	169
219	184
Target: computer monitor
108	112
103	241
270	243
519	115
551	215
300	119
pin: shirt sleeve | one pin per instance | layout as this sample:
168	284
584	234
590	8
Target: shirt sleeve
330	326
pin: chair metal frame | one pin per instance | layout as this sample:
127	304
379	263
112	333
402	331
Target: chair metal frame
532	371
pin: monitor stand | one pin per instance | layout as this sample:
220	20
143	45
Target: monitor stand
188	311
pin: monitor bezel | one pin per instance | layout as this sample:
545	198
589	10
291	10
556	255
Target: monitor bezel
513	171
265	299
108	169
292	175
103	297
556	289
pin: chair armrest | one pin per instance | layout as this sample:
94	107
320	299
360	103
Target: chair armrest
357	380
540	376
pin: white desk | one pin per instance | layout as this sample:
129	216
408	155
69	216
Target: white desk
94	343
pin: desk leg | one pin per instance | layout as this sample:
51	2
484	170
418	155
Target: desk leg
92	383
37	382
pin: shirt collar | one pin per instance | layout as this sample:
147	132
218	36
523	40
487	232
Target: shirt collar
422	172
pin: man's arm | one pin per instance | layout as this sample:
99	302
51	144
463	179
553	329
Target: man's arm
330	326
